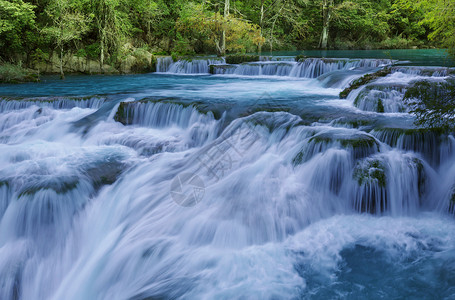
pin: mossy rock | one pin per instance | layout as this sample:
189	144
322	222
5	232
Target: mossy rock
355	123
121	114
241	58
105	173
300	58
451	208
421	176
360	145
372	194
426	141
370	171
125	115
364	80
4	183
60	185
357	141
213	68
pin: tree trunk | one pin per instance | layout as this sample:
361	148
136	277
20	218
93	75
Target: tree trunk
260	25
223	37
102	51
62	75
326	15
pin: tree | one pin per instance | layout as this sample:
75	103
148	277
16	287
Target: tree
440	17
17	22
222	48
327	6
433	103
112	25
68	25
144	14
224	33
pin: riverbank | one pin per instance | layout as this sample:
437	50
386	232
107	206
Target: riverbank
16	74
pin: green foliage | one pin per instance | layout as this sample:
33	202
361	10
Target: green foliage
17	20
300	58
369	171
100	29
92	51
433	103
15	74
68	24
203	29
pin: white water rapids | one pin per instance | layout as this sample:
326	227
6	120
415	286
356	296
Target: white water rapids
291	206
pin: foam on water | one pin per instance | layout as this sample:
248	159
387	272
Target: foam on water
288	208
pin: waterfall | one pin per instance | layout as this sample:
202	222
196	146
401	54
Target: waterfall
309	68
163	63
202	126
276	66
382	98
8	104
186	66
225	187
424	71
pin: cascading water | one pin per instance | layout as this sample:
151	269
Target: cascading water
309	68
226	187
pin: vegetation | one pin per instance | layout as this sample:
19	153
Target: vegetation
109	31
433	103
364	80
15	74
369	171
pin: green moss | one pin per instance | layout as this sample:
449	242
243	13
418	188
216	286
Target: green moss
61	186
300	58
421	176
414	132
356	142
4	183
359	143
241	58
370	171
320	139
364	80
298	159
380	108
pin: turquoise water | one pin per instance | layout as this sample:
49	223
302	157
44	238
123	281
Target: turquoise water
257	182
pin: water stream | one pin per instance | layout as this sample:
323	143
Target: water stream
214	181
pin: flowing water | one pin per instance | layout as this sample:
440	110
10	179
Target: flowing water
214	181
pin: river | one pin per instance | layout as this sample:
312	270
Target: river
213	181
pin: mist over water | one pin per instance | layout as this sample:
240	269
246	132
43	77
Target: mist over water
255	182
